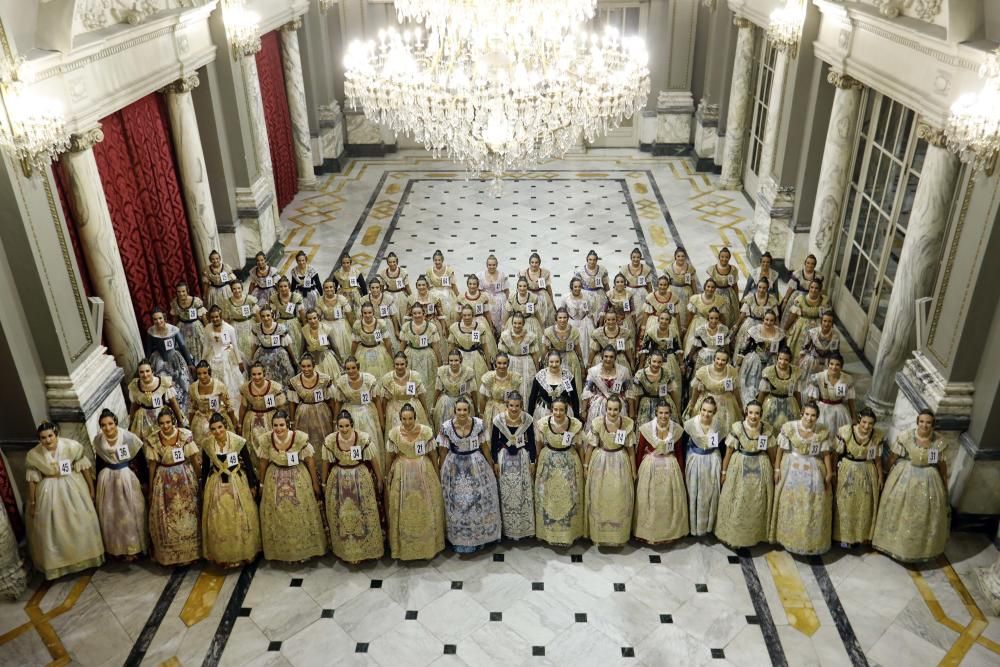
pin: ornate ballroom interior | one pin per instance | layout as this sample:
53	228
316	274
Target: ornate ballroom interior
140	136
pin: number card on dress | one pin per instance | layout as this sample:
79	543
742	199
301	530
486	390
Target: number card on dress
411	388
292	458
269	401
269	282
671	308
620	344
669	445
232	459
192	313
223	277
379	336
65	467
761	443
616	387
720	339
840	389
541	283
399	283
727	384
478	309
157	401
307	282
627	306
352	281
524	349
598	282
275	340
338	313
356	453
463	388
774	346
225	338
214	403
730	279
245	310
290	308
814	448
687	278
713	440
168	344
641	281
620	436
366	398
567	439
423	341
430	309
176	454
529	308
476	336
383	311
662	391
318	396
519	441
420	448
933	456
324	340
567	384
122	453
835	344
872	453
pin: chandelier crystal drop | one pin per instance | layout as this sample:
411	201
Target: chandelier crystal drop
785	26
503	98
33	128
477	19
973	128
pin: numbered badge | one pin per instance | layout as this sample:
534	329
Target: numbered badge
933	456
292	458
192	313
620	344
307	282
524	349
269	401
598	282
840	389
399	283
290	308
641	281
872	453
232	460
835	344
627	306
423	341
761	443
541	283
324	340
420	448
774	346
727	384
122	453
478	309
366	398
318	396
567	439
246	311
730	280
157	401
567	384
177	455
352	281
356	453
338	313
671	308
275	341
225	338
223	277
168	344
662	391
65	467
669	447
379	336
687	278
529	308
214	403
814	449
411	388
720	339
446	281
620	436
713	440
430	309
616	387
383	311
476	336
463	388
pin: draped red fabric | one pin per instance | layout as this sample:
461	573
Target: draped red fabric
9	502
277	118
139	175
62	188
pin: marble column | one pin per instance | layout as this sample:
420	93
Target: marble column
834	171
192	167
268	223
917	267
705	135
296	91
739	108
100	250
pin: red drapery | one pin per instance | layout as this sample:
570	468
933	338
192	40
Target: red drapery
139	175
277	118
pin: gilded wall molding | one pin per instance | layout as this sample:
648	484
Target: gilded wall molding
932	135
292	25
85	140
183	85
843	81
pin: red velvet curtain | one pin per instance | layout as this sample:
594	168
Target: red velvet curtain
277	118
139	174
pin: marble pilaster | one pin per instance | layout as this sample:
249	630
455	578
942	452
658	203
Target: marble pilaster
674	111
75	401
774	208
331	136
266	231
364	138
739	108
835	168
192	167
706	120
296	91
257	212
916	270
100	251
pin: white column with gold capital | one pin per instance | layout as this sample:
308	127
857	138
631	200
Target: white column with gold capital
262	149
191	163
739	107
296	90
100	250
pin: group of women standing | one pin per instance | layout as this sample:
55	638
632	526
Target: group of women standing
292	415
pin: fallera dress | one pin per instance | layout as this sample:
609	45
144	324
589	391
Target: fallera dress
702	467
441	289
260	410
469	487
189	322
223	356
649	391
513	449
271	352
595	285
857	485
698	309
816	349
352	285
360	403
598	389
306	284
262	286
780	405
747	495
397	395
832	398
320	346
287	311
334	314
581	318
661	504
64	535
538	286
169	356
395	284
291	527
723	389
543	394
803	507
449	388
149	404
754	311
413	496
809	315
706	342
371	353
230	525
527	307
559	510
420	349
496	390
218	289
121	506
477	346
684	284
240	314
727	285
204	405
312	412
759	351
638	282
352	507
620	340
610	488
494	287
565	343
522	353
174	501
799	284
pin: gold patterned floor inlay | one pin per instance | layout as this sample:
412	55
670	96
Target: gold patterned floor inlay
794	598
203	595
40	620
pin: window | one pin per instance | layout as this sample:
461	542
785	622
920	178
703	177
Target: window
762	76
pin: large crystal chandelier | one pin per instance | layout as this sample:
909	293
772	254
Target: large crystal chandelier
784	28
486	88
32	128
973	128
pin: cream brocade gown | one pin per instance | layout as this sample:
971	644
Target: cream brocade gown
610	488
857	486
360	403
203	406
174	506
351	500
290	524
661	505
260	411
396	396
414	499
560	518
230	525
335	316
913	513
748	493
702	468
420	350
780	405
371	353
803	507
64	534
121	506
496	390
149	404
449	389
723	389
240	314
312	412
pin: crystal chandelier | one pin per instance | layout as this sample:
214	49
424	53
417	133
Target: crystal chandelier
465	18
242	29
497	95
973	128
785	26
33	129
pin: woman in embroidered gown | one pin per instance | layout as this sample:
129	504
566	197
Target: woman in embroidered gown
798	285
581	315
522	349
208	396
559	509
474	341
707	338
358	395
273	347
699	306
540	284
817	346
638	276
443	286
230	523
353	477
419	339
747	493
350	282
512	444
859	479
384	307
291	528
727	281
174	505
759	351
396	280
524	303
764	270
778	391
550	383
615	335
312	401
833	389
305	280
317	339
288	310
605	380
703	469
221	351
622	303
495	387
468	485
803	495
718	381
653	385
609	465
493	281
657	301
684	285
913	512
148	394
452	382
752	311
804	313
413	490
240	310
167	351
64	535
661	336
661	504
399	387
121	506
435	314
263	279
595	281
216	280
260	399
188	313
338	314
372	347
565	340
479	301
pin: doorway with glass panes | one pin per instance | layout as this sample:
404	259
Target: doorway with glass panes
762	77
888	156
